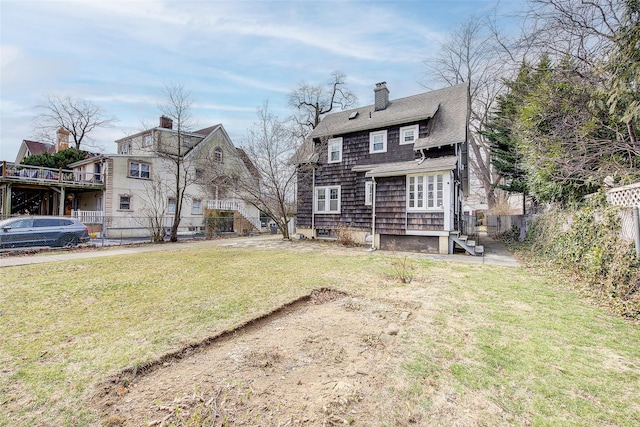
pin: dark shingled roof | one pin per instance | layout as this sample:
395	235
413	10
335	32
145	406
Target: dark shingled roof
36	147
207	131
447	107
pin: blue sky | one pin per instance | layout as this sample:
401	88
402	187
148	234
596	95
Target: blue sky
231	55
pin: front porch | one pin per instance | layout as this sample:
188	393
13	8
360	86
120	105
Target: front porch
33	190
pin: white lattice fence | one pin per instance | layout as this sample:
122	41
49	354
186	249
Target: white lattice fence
627	196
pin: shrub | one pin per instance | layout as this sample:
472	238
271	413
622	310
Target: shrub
585	241
344	236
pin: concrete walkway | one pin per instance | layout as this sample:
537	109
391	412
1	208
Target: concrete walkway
495	252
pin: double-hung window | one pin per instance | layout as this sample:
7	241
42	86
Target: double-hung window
217	155
196	207
378	142
124	148
425	192
327	199
171	205
139	170
335	150
408	134
125	203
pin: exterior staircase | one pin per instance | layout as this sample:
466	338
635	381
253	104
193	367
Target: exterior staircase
455	238
231	205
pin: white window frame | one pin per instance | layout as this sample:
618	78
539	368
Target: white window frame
141	174
172	205
372	137
326	206
120	208
330	150
218	155
196	207
428	198
124	148
368	193
147	141
406	129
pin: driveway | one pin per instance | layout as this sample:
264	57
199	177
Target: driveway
495	251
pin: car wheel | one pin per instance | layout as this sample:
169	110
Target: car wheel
68	240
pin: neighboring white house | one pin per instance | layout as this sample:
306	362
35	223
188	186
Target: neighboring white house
139	181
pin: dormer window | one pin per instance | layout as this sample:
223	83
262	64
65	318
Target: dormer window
408	134
378	142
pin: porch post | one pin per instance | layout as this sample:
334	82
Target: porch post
447	203
6	201
63	196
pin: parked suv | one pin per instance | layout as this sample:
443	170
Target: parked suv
42	231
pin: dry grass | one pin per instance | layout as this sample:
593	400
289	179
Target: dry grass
511	344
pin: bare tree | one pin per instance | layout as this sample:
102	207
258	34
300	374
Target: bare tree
155	208
475	54
272	149
79	117
173	151
312	102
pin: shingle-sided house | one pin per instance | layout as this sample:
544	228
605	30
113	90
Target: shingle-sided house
394	173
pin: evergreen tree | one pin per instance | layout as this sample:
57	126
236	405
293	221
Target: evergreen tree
62	159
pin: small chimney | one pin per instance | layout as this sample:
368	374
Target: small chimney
381	96
166	122
62	139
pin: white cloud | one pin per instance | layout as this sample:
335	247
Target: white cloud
232	55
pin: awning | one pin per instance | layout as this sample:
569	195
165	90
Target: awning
446	163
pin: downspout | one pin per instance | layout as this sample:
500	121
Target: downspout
422	157
313	204
373	214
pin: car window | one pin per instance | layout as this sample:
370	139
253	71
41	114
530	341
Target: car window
66	222
21	223
46	222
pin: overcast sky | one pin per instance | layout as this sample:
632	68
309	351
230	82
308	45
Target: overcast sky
231	55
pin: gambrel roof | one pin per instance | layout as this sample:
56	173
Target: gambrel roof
447	107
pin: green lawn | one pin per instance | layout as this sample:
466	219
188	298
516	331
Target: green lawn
514	336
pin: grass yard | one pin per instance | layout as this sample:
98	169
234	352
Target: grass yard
513	339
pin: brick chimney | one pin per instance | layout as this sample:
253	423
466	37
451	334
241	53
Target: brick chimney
166	122
62	139
381	96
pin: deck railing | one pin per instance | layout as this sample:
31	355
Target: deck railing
41	174
88	217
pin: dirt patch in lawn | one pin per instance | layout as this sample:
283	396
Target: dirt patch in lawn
322	360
